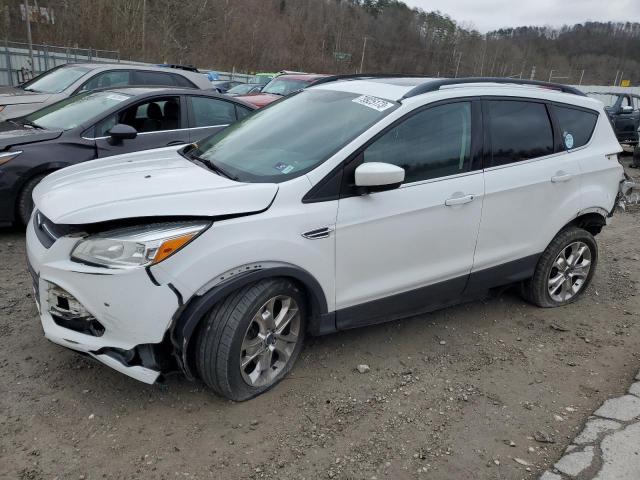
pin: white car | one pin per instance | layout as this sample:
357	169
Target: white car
357	201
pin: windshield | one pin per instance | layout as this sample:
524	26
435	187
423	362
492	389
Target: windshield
55	81
607	98
284	86
74	111
291	137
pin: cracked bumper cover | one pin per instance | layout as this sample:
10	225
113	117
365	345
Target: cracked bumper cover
132	328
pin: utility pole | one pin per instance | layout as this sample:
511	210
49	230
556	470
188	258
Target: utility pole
364	47
458	64
26	11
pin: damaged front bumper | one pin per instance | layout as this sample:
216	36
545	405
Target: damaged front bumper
119	318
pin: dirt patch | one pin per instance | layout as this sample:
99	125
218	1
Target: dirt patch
458	393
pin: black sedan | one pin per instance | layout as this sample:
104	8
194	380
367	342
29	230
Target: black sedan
100	124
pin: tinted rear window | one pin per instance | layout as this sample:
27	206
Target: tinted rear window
519	131
576	125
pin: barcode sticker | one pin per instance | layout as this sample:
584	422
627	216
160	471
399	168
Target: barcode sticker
373	102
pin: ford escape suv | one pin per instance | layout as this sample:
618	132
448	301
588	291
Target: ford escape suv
359	200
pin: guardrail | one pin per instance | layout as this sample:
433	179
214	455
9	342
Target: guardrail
15	59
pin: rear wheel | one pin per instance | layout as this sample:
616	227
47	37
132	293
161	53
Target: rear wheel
564	270
25	199
252	338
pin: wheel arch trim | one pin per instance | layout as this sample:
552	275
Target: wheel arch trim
188	317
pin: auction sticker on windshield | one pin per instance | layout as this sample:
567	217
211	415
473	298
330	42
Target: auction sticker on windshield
373	102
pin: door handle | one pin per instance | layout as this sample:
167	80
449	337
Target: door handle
561	177
449	202
175	142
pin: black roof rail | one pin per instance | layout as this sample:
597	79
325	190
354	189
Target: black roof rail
188	68
358	76
435	85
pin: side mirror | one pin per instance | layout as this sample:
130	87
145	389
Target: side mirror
627	109
378	176
121	132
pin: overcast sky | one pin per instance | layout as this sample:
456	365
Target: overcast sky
486	15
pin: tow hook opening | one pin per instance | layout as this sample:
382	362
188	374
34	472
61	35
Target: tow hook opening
154	356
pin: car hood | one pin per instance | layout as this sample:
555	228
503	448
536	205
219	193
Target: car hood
15	96
12	134
152	183
258	99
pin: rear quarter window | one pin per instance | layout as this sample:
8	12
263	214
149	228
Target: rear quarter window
182	82
576	125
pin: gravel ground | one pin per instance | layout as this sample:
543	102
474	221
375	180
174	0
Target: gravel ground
485	390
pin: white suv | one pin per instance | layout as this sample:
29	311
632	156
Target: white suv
356	201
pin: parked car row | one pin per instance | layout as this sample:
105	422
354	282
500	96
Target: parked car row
75	113
354	201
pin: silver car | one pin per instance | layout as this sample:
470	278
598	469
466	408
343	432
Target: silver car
66	80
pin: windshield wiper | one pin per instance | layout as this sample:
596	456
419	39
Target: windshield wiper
29	123
211	165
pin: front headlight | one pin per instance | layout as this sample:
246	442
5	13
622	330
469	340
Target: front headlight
138	246
6	156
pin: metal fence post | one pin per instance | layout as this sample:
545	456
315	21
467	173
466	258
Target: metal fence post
8	60
46	57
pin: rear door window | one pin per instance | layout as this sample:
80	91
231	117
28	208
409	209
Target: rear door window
519	130
209	112
576	125
152	78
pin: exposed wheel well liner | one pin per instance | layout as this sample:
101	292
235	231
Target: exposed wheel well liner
188	318
592	221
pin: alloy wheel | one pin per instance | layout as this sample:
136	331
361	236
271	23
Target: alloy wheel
270	340
569	272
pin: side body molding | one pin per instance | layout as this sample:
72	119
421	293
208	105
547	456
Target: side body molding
186	319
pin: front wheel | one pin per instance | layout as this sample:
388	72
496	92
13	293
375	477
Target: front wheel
252	338
564	270
25	199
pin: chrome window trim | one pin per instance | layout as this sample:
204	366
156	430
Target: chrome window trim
163	131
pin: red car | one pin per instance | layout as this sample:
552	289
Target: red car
280	86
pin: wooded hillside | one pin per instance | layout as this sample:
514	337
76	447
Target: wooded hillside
329	36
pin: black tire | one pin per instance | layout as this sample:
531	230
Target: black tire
220	339
536	289
24	205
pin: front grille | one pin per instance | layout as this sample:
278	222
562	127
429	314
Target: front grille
68	312
48	232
